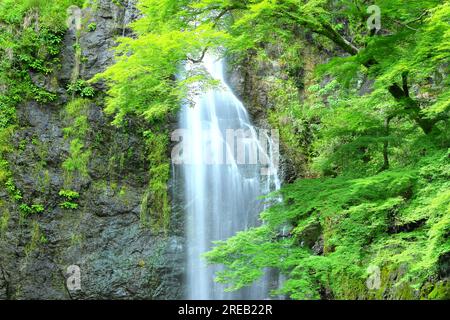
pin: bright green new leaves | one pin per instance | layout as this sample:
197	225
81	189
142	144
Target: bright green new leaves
144	79
363	222
50	13
372	125
144	75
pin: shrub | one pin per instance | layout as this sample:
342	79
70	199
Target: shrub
69	205
82	88
69	196
92	27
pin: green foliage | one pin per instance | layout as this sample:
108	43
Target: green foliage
5	148
143	79
118	2
92	27
81	88
69	196
51	14
13	191
75	115
16	196
27	210
371	125
297	125
155	208
37	238
440	292
78	159
395	219
37	208
43	239
31	33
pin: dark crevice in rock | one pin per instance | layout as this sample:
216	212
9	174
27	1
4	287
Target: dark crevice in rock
407	227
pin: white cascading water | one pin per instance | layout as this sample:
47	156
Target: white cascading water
221	192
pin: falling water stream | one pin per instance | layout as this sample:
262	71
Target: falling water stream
222	185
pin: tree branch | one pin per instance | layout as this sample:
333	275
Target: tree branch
200	59
386	163
338	39
406	24
405	83
396	91
216	21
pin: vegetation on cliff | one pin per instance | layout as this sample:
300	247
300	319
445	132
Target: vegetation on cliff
31	34
71	185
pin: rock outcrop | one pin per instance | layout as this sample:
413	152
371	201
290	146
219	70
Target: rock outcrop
118	258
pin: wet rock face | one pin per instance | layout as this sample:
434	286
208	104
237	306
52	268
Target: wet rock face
117	257
248	80
102	23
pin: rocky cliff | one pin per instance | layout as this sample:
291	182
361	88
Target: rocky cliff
89	217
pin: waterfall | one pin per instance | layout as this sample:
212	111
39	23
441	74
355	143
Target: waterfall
222	180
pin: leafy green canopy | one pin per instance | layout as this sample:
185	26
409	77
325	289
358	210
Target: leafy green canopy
394	220
412	47
50	13
144	76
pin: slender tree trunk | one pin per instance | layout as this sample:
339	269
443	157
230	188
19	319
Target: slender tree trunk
386	163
